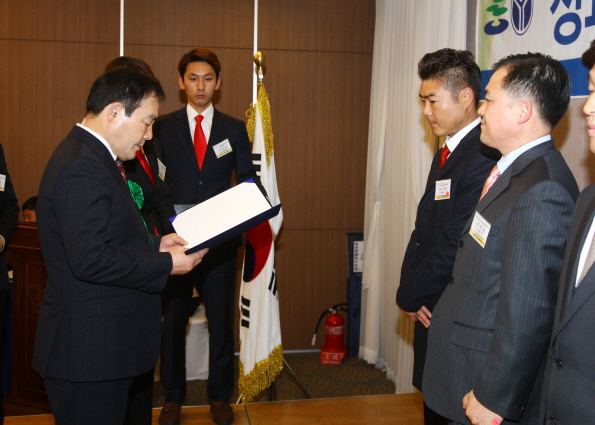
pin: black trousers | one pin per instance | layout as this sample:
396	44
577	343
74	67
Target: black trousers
3	310
123	401
214	280
433	418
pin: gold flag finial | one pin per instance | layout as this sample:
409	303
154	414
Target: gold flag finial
259	61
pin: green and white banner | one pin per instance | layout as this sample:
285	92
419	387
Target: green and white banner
562	29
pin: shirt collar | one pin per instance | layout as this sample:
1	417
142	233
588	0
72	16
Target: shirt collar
207	113
507	160
100	138
453	142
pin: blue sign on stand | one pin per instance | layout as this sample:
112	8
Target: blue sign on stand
355	242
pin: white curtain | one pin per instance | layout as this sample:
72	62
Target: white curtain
400	149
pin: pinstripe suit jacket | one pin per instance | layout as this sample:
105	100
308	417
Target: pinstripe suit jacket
491	328
569	388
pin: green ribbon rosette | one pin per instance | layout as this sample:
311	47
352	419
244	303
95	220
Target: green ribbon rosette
137	195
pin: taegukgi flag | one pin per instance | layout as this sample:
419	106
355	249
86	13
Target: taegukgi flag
261	352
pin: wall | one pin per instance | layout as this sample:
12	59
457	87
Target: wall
318	72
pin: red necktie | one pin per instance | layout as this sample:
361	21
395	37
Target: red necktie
200	142
494	174
143	161
443	156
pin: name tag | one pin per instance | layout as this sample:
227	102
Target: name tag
222	148
480	229
442	190
2	182
161	166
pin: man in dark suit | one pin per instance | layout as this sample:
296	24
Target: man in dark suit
98	332
202	148
449	92
569	385
491	327
9	216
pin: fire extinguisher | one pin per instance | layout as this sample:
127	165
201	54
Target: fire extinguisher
334	350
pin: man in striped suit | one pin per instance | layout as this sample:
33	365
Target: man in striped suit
490	330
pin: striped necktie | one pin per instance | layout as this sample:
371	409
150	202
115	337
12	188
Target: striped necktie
120	165
494	174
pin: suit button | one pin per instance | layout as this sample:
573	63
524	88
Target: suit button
417	244
451	280
461	244
558	363
552	420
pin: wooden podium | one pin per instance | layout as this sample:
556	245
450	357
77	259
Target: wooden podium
29	280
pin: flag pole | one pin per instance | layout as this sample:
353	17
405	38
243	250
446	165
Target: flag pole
254	51
121	27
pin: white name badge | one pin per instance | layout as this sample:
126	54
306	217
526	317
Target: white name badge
442	190
161	166
222	148
480	228
2	182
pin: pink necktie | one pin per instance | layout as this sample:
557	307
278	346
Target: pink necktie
200	142
443	155
494	174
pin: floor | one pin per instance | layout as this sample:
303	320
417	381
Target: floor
393	409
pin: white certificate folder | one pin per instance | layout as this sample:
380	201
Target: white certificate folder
224	216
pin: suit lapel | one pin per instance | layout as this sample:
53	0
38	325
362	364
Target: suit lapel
517	167
182	127
578	297
107	159
459	152
443	173
572	298
217	135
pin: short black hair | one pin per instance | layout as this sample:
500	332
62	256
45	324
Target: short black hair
127	85
455	68
129	61
199	54
30	204
540	78
588	58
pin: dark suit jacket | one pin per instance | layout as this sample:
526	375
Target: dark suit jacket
100	318
491	328
430	254
188	185
158	206
9	216
569	388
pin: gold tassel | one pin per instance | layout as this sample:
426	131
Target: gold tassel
262	376
264	108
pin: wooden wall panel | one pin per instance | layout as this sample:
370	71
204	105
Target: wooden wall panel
44	88
320	107
95	21
311	277
318	25
221	23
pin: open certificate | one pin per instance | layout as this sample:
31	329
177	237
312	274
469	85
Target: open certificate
224	216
